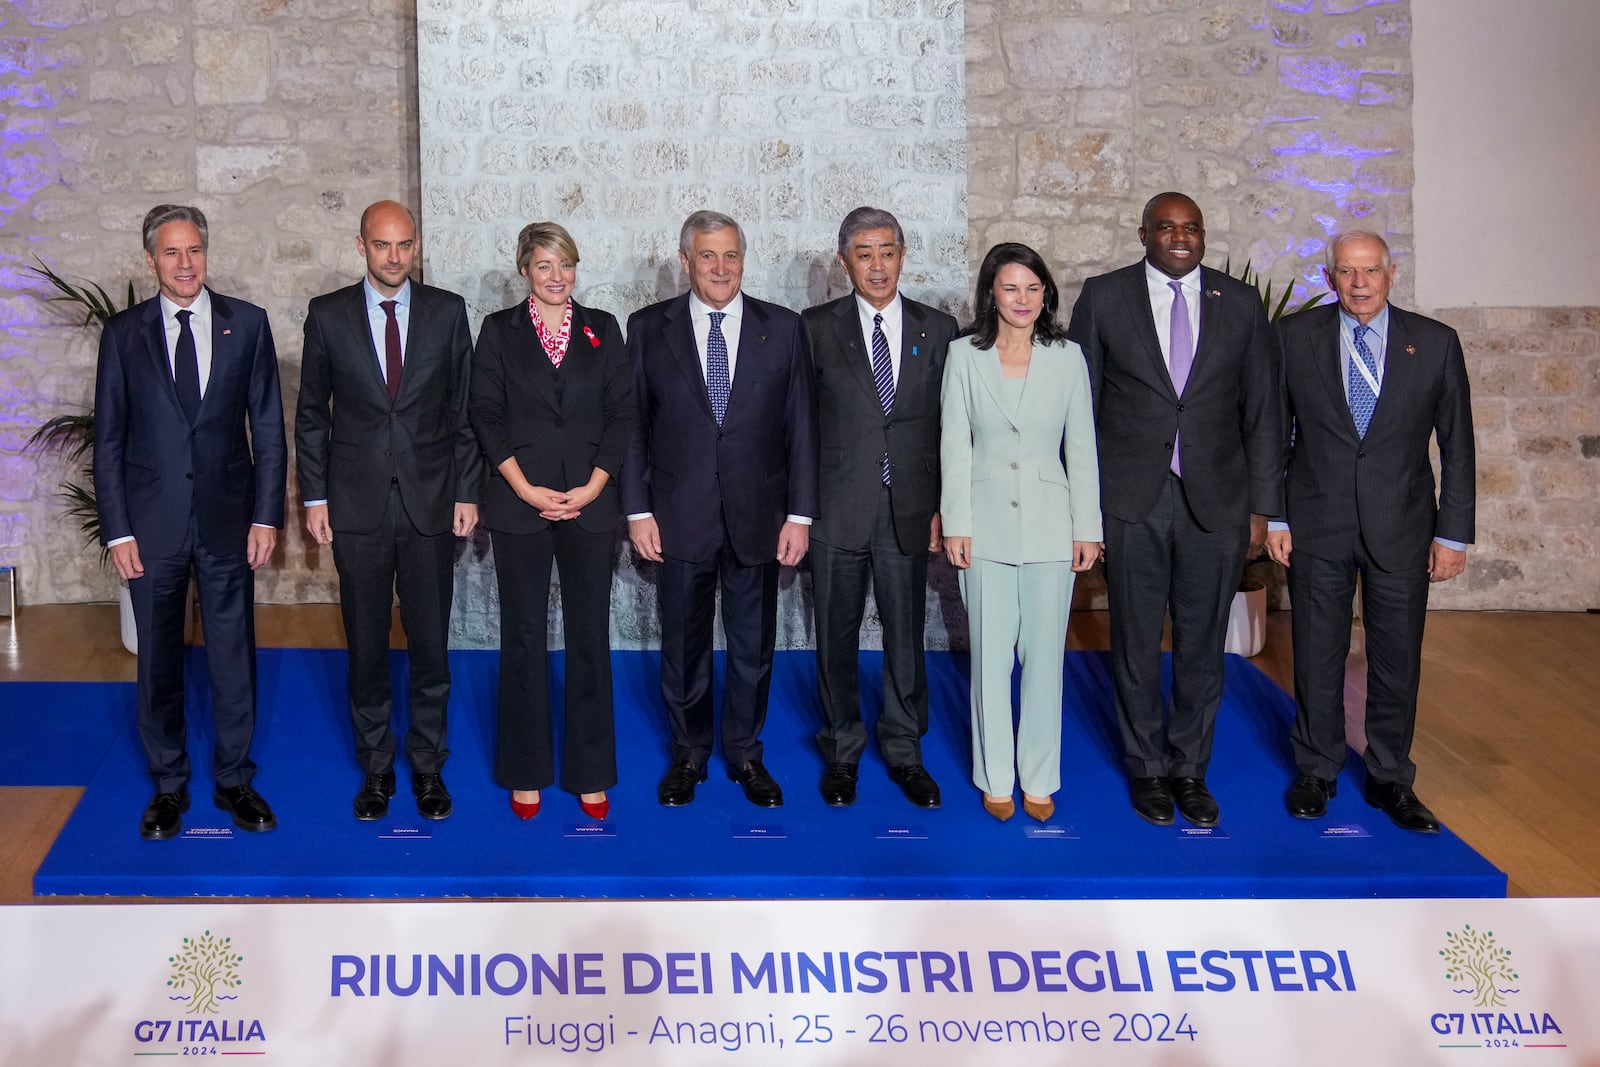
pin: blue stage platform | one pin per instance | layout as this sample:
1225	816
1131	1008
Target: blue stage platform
720	846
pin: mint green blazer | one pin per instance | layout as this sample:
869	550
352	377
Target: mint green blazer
1022	486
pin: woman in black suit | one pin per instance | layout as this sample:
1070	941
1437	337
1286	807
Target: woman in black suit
552	405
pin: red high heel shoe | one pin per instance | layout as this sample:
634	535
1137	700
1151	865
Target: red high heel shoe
597	809
525	811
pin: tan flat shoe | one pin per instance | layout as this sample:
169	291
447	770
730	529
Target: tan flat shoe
1040	810
1000	809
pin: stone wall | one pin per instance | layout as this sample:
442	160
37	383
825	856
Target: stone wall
282	118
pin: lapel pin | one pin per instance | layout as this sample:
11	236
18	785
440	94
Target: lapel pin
226	332
913	350
594	342
1411	350
1213	292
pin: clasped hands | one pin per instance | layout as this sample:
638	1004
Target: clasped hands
557	505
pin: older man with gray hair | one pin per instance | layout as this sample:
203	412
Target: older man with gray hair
879	366
1367	386
720	488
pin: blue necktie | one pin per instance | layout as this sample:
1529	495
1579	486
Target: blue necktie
718	382
882	376
186	367
1363	400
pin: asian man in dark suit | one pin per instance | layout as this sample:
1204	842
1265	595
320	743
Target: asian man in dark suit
1367	386
720	488
189	465
390	474
879	361
1184	367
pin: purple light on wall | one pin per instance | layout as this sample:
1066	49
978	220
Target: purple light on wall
1320	75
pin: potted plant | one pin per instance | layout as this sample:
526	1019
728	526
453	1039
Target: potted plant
73	435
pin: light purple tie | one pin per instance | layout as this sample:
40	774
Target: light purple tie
1180	353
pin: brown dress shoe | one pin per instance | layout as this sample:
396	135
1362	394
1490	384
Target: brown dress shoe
1039	810
1000	809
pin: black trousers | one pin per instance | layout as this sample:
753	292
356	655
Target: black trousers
373	567
524	756
1168	562
688	597
839	581
1394	609
226	588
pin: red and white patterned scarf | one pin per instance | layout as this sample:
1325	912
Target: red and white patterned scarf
555	344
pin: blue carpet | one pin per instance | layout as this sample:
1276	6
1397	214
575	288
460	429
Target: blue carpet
56	733
720	846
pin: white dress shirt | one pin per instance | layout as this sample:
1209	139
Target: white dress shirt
1161	306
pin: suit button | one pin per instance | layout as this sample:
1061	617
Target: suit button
1015	430
1013	503
1361	454
189	476
560	423
1013	466
1180	407
1167	446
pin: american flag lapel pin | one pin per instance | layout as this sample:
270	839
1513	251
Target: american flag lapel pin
226	332
1411	350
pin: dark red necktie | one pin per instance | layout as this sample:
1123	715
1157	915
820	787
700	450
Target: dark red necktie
391	349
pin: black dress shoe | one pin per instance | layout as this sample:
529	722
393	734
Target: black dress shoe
760	788
163	816
1402	806
372	802
248	808
1308	797
433	799
839	785
1152	799
1195	802
677	785
916	783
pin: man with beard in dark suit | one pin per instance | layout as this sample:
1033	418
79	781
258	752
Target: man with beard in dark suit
1367	386
720	488
879	361
189	468
390	473
1184	368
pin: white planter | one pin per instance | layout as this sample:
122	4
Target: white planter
1247	620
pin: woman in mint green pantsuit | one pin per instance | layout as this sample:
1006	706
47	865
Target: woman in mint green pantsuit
1021	513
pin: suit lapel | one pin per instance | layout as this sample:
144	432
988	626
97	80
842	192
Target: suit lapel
1326	365
988	367
1398	368
580	364
752	352
679	334
1210	307
357	322
224	349
847	336
155	343
1137	296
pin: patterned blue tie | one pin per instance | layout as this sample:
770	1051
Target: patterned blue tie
718	382
882	376
1362	398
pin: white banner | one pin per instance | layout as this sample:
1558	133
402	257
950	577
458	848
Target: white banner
1336	983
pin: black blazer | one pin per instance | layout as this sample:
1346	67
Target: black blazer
1231	421
854	433
1381	488
759	466
153	469
559	424
351	440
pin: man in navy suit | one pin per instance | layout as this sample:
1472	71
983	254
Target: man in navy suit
189	467
388	462
1184	367
720	487
1367	385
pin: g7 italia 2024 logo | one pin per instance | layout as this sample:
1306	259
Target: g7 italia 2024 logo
1477	966
204	976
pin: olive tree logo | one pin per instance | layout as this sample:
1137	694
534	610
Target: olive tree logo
204	966
1475	961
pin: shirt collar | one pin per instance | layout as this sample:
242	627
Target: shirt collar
890	311
1379	324
201	306
700	309
374	298
1155	278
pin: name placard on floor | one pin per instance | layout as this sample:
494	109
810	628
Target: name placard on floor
1235	982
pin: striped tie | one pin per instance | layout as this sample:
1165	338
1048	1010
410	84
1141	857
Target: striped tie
882	376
